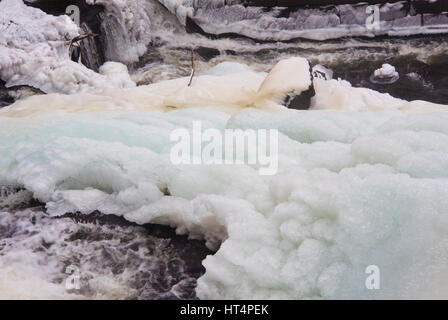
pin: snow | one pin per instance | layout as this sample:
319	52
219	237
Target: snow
385	74
227	91
347	182
362	180
386	71
34	51
226	68
287	76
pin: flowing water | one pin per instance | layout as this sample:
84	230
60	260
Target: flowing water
88	188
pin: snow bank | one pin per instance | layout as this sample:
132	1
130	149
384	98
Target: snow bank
353	189
34	51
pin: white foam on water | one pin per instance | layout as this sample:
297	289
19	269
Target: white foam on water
49	258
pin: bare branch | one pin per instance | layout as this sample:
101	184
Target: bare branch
75	40
192	66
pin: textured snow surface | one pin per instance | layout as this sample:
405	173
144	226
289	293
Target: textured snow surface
353	189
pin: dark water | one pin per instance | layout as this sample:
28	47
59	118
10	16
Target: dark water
418	80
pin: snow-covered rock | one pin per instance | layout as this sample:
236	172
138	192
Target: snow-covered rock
386	74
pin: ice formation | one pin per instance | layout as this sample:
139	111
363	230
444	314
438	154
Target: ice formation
227	91
362	180
34	51
317	23
386	70
353	188
385	74
321	72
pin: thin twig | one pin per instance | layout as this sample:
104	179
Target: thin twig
192	66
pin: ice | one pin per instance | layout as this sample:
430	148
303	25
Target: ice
385	74
319	23
353	189
339	94
228	88
320	71
34	51
117	74
361	179
277	84
386	70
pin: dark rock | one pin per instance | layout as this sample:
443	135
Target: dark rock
8	95
5	98
300	101
23	91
